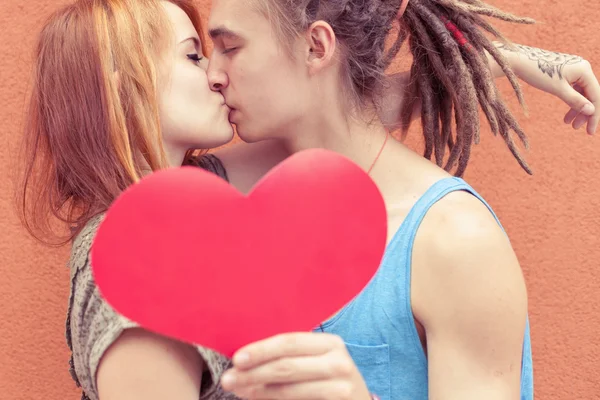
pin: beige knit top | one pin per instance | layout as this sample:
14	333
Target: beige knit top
92	325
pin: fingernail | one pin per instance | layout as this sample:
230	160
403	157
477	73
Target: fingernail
228	380
588	109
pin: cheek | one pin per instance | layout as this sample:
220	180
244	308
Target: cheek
186	101
252	71
190	85
259	85
280	86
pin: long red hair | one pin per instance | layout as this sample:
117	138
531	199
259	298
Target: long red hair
92	125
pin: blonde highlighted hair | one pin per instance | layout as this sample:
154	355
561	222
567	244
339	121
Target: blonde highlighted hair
93	122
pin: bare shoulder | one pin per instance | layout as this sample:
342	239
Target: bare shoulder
246	163
461	222
461	254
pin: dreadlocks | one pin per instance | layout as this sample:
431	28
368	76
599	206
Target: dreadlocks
450	71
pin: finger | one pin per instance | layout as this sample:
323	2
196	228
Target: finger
578	88
577	101
315	390
285	345
592	127
247	395
594	121
573	113
580	121
591	87
570	116
288	370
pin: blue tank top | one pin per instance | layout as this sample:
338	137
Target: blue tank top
378	325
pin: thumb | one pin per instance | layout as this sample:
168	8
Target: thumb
577	101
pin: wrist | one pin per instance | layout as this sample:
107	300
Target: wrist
511	56
517	61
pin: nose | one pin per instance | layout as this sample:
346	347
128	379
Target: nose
217	78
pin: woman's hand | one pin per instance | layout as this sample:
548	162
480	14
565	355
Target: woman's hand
567	77
296	366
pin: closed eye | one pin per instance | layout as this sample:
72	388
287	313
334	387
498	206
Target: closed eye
195	57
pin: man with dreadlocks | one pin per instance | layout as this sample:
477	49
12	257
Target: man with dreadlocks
445	317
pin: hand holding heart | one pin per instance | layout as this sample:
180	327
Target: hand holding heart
295	366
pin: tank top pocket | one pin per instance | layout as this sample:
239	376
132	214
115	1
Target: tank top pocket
373	362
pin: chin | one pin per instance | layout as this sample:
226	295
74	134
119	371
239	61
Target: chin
228	133
249	135
218	137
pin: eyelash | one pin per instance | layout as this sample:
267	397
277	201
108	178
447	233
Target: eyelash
195	57
229	50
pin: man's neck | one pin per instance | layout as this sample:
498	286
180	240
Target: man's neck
358	138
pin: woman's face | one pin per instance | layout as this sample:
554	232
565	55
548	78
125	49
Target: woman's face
192	116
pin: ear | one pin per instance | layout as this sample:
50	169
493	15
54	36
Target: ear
322	46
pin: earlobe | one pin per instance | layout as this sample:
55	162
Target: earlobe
322	42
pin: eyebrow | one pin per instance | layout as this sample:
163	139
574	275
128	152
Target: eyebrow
222	31
193	39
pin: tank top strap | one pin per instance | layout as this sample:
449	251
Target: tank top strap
435	193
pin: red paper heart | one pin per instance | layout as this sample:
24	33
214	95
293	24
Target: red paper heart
186	255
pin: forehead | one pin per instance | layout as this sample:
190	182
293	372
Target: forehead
182	26
238	18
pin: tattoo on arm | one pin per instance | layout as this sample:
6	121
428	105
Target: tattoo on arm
549	62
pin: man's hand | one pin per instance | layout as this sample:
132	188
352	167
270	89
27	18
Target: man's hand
296	366
570	78
565	76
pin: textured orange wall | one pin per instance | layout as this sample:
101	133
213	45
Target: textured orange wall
553	219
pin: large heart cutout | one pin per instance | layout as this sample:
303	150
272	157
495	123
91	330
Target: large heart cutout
184	254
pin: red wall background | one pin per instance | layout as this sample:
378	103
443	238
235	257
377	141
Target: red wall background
553	219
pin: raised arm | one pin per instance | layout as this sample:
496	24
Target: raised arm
570	78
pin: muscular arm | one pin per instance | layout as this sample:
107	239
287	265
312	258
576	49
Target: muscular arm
142	365
470	296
